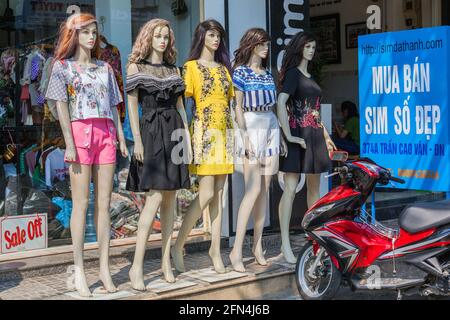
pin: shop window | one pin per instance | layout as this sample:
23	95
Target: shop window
33	176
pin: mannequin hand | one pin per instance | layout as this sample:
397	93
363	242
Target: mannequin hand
188	147
123	148
249	150
284	148
71	154
139	151
330	145
190	153
299	141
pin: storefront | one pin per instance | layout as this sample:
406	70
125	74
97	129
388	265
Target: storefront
34	178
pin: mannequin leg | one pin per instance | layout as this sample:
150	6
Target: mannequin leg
215	211
103	180
167	220
195	211
285	212
252	179
152	203
206	221
259	214
313	185
80	177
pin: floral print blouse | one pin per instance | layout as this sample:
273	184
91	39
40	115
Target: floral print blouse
91	92
306	96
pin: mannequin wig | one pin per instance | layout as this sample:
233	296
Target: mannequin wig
222	55
143	45
68	36
251	39
294	53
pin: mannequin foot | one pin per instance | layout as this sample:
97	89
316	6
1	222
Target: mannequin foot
259	256
105	278
236	262
168	274
137	279
177	256
288	256
82	286
217	262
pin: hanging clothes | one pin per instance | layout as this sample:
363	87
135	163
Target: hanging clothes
111	54
56	169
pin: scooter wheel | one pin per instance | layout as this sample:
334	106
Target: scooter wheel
321	284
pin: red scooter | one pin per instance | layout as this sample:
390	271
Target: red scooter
345	244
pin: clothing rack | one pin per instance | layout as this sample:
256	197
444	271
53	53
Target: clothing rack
19	128
33	43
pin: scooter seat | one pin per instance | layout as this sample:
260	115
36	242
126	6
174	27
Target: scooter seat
424	216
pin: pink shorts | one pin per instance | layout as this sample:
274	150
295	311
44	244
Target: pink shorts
95	141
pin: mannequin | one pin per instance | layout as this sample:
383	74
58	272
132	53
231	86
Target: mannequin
154	81
208	81
259	140
308	141
78	82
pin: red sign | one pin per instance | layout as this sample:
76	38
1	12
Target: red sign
23	233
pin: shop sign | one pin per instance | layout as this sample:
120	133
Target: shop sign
39	13
404	80
23	233
287	18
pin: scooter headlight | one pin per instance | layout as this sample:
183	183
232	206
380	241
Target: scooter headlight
315	213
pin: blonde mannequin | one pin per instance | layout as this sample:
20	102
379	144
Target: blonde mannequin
154	81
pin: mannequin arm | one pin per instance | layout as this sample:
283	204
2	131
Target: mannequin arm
120	135
240	114
66	127
330	144
240	119
183	115
284	120
133	112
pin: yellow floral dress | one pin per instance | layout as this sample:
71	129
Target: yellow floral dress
212	125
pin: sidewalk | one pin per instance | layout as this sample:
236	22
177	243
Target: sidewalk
198	281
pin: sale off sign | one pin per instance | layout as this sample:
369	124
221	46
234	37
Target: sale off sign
404	87
23	233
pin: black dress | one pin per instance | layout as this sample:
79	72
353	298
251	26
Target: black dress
305	123
159	87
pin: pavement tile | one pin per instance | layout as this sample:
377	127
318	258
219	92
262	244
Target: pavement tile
54	287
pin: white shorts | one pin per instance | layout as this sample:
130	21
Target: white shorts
264	134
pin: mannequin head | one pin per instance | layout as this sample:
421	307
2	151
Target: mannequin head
301	47
154	35
211	35
80	30
255	41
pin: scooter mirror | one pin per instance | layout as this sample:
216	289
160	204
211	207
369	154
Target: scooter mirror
340	156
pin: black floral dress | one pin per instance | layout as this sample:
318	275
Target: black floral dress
305	123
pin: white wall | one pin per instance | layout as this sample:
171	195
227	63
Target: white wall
116	27
239	20
215	9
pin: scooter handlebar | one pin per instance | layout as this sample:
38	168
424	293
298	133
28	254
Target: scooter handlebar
398	180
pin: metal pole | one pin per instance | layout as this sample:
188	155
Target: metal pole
374	216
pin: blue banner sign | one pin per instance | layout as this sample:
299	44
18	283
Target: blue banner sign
404	102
